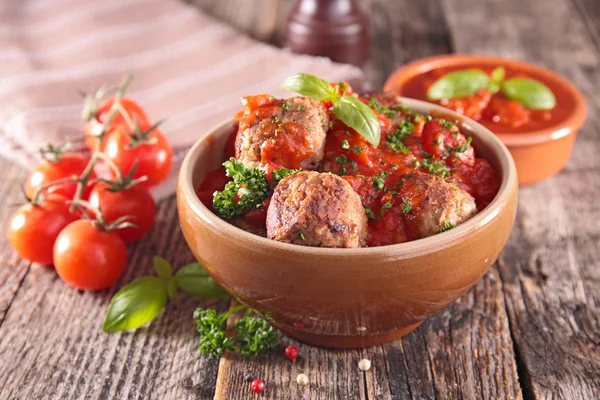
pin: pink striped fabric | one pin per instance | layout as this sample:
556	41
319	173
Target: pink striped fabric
188	68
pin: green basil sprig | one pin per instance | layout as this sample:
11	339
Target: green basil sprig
461	83
144	298
195	281
351	111
497	76
530	93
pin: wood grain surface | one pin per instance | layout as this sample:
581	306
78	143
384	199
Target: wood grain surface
530	328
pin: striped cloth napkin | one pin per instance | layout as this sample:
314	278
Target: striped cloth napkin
188	69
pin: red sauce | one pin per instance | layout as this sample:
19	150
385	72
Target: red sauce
496	112
376	173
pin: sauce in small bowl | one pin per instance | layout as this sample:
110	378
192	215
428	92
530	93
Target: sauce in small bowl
540	140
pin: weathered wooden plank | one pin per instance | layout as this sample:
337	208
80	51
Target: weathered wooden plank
465	351
402	31
13	269
550	268
590	12
51	344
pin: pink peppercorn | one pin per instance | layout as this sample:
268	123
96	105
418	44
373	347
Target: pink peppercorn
257	386
291	352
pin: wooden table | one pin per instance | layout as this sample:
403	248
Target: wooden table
530	328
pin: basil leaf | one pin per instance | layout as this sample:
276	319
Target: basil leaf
172	289
162	267
532	94
497	78
462	83
358	116
134	305
194	280
311	86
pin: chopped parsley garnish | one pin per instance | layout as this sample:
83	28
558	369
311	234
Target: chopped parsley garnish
371	214
434	167
286	106
357	150
404	130
379	180
345	145
246	192
300	107
310	128
428	118
388	112
385	206
276	119
406	207
348	133
301	236
436	142
446	124
462	148
343	162
279	174
447	226
394	166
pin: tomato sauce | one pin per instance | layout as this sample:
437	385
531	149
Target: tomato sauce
495	111
377	173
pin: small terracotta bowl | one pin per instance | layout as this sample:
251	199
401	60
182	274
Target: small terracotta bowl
347	297
538	154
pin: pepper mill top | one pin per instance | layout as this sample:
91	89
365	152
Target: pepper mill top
333	28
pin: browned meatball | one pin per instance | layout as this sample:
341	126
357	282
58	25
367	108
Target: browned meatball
436	204
298	116
316	209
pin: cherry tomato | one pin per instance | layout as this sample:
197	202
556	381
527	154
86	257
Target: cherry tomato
130	112
89	258
135	202
153	159
69	165
441	138
33	228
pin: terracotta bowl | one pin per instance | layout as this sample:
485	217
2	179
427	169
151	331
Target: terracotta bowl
347	297
538	154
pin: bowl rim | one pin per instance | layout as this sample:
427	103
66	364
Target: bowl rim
570	124
409	249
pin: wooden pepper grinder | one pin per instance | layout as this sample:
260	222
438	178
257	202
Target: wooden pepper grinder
333	28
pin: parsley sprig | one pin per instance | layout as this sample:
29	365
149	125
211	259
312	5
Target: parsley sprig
404	130
252	334
246	192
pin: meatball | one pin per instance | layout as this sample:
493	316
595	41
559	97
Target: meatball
436	204
293	138
316	209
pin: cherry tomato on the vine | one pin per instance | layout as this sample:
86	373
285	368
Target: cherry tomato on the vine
152	156
135	202
68	166
129	113
89	258
33	228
